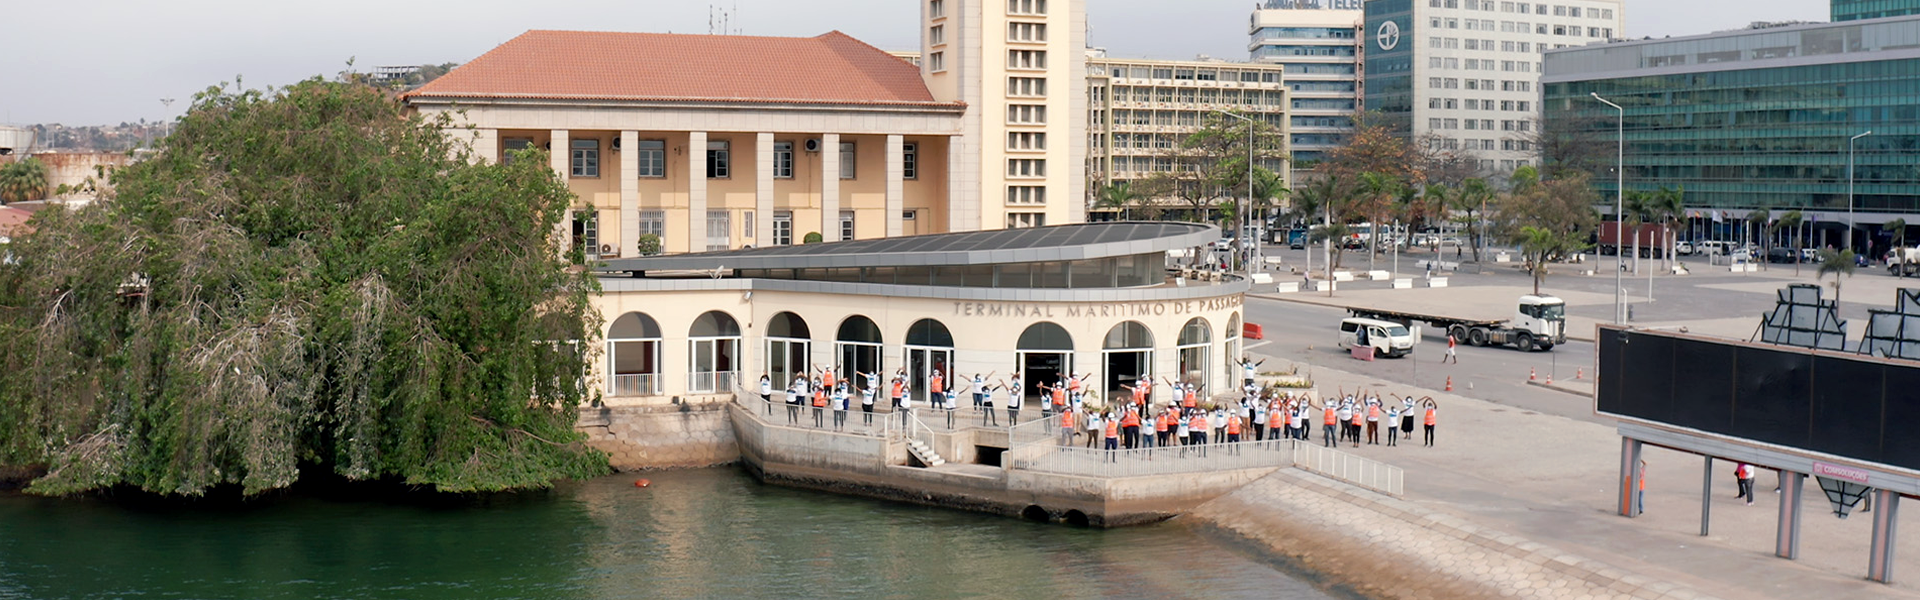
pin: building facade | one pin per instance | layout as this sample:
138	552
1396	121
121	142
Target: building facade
1140	111
831	136
1017	67
1463	75
1091	299
1319	44
1853	10
1760	118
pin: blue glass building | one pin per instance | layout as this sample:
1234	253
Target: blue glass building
1759	118
1853	10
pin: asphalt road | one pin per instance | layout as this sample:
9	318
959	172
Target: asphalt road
1309	334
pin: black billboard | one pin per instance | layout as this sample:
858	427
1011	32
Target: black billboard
1841	404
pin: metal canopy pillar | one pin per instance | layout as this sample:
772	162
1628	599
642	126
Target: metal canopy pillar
1786	542
1706	495
1880	558
1630	478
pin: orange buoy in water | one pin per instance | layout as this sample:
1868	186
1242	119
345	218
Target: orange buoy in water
642	483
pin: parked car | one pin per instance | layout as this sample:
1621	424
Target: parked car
1685	248
1780	255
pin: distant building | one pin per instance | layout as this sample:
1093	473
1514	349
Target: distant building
1318	41
1759	118
1142	110
1853	10
1461	74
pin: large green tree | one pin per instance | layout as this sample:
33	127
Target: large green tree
23	180
307	278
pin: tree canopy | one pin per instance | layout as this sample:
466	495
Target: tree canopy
302	278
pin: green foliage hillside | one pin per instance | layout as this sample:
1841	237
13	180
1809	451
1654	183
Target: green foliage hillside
305	277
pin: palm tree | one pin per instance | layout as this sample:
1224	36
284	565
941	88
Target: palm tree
1899	229
1761	219
1325	198
1380	191
1791	221
1119	194
1837	263
1472	199
1439	200
24	180
1668	208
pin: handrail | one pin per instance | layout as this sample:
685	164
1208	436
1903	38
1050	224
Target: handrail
801	417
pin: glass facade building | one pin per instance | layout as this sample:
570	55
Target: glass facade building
1318	42
1853	10
1758	118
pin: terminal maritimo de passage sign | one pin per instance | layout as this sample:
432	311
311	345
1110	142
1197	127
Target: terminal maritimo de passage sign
1858	407
1101	309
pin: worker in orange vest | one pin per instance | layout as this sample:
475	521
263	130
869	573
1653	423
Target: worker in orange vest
1197	429
1373	422
1233	432
1113	433
1332	420
1162	426
1433	409
820	406
1066	428
1130	426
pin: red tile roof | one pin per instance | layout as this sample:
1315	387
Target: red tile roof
589	65
13	221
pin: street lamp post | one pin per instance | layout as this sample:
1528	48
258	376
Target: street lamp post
1253	257
1619	212
1850	142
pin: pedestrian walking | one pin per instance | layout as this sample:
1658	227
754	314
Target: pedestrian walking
1639	496
1452	355
1743	475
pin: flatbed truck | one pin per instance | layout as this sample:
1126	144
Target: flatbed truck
1539	323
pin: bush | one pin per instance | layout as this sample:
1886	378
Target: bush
649	244
813	237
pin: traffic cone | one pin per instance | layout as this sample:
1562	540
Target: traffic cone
1449	383
1532	375
1580	373
1549	378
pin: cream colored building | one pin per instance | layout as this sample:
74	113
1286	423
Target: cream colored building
796	136
1093	299
1140	111
1017	66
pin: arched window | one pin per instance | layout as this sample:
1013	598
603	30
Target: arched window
713	358
857	349
929	352
633	356
1127	355
789	348
1044	355
1196	342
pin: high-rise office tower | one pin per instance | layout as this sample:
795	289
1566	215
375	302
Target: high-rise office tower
1318	43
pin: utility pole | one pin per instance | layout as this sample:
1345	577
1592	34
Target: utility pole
1619	214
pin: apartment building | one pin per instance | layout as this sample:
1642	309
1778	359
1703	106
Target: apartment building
1141	110
1464	75
1018	67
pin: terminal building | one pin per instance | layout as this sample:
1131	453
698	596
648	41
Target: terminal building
1461	75
1093	298
1761	118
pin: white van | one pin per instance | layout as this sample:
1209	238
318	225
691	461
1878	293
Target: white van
1387	338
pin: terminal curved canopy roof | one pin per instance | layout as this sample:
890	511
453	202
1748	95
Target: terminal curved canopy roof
1057	243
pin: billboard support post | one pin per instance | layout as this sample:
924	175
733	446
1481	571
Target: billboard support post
1706	495
1631	474
1880	558
1786	543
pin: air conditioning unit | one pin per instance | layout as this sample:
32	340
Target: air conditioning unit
813	145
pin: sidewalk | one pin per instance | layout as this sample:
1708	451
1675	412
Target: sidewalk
1552	480
1499	301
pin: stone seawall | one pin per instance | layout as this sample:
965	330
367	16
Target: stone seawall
675	436
1382	547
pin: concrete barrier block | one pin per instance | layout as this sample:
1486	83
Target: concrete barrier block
1502	257
1404	283
1288	288
1436	282
1379	275
1262	278
1343	275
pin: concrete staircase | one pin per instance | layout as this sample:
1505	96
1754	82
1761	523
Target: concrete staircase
926	455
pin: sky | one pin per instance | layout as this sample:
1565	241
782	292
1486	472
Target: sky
94	62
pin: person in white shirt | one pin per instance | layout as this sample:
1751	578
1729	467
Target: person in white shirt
1218	420
866	401
985	392
840	398
1014	400
1094	434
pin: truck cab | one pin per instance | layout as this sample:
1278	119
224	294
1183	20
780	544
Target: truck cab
1387	338
1540	321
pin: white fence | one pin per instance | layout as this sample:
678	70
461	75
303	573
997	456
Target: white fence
1088	462
1367	473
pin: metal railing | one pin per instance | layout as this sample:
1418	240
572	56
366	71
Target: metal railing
1363	472
778	413
637	384
1169	460
710	382
1033	432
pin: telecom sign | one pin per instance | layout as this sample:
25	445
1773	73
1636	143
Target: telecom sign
1388	36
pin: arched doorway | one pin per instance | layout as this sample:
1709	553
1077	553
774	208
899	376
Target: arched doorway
1234	351
1043	355
633	356
1195	344
713	353
929	349
857	348
1127	354
789	348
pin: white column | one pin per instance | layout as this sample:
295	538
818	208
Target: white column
763	190
629	194
829	188
965	210
896	184
562	162
697	191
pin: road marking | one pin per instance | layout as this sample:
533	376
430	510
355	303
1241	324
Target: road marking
1256	345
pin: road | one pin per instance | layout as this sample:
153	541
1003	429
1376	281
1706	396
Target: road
1308	334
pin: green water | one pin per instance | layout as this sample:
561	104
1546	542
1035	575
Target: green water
711	533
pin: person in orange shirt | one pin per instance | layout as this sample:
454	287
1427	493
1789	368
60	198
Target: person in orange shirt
1161	428
1332	420
1197	429
1373	422
820	405
1233	432
1433	409
1130	426
1113	435
1066	428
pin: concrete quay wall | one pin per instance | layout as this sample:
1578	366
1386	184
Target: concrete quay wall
1381	547
669	436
